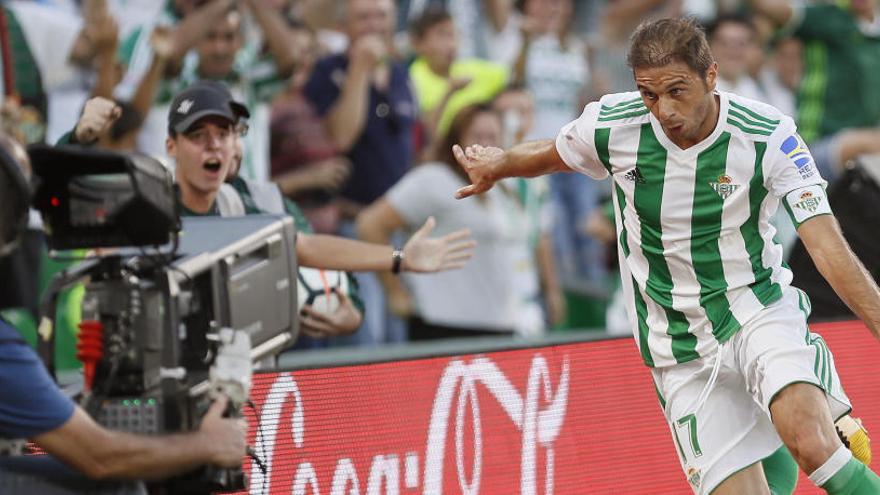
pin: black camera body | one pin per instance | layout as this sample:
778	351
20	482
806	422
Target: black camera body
176	311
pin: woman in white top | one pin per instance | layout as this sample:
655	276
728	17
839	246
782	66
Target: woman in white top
498	291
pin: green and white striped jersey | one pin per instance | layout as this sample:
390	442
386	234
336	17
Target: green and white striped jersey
696	246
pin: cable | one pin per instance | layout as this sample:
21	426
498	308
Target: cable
252	453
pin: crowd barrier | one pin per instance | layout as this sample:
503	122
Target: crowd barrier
576	417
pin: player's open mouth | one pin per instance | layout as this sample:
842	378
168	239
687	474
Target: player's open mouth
212	165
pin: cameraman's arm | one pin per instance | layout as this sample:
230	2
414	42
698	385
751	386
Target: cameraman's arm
104	454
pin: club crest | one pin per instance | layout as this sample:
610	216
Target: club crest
694	478
808	202
724	186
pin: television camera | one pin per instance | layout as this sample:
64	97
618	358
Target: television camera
173	311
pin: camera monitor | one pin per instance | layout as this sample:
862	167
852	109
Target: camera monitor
92	198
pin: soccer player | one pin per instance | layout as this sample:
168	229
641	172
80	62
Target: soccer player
697	173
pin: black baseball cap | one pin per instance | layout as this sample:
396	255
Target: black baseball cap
203	99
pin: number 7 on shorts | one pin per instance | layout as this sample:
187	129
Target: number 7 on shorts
688	423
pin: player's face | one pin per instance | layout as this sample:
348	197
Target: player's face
203	155
680	99
484	130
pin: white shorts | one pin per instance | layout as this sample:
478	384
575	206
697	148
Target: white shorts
722	426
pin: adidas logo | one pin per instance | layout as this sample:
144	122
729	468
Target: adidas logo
635	175
184	106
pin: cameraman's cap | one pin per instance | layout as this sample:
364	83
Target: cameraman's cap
203	99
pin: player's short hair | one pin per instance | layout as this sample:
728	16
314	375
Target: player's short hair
665	41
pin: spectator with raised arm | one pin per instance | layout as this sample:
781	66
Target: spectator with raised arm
369	111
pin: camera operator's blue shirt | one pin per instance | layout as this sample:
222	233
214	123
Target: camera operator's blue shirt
30	402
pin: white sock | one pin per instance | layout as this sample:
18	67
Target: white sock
834	464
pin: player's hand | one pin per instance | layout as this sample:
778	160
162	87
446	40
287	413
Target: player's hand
345	320
423	254
97	117
226	437
479	163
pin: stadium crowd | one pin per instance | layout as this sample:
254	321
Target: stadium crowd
354	106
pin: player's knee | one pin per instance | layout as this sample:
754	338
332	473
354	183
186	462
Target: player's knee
809	443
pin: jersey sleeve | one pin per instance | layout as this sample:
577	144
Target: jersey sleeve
576	146
792	175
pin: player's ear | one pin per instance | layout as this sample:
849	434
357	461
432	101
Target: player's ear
711	76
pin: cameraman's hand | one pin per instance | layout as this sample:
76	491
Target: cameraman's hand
227	437
98	115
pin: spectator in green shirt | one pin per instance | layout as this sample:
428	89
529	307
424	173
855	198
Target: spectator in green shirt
838	105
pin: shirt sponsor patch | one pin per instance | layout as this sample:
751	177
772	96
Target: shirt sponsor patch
796	151
807	202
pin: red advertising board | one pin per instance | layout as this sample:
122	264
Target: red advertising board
569	419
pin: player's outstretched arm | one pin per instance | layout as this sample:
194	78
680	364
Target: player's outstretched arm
420	254
487	165
842	269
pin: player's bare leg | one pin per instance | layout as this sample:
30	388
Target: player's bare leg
802	418
750	480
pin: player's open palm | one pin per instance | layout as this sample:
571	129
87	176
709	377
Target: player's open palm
479	162
424	254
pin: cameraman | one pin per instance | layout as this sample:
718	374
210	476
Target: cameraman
32	407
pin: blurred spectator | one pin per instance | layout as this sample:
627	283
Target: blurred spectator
838	105
552	63
780	75
304	160
41	42
517	109
733	40
444	83
364	98
323	17
476	21
619	20
498	292
38	47
253	76
192	19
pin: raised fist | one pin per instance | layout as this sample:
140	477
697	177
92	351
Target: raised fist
98	115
